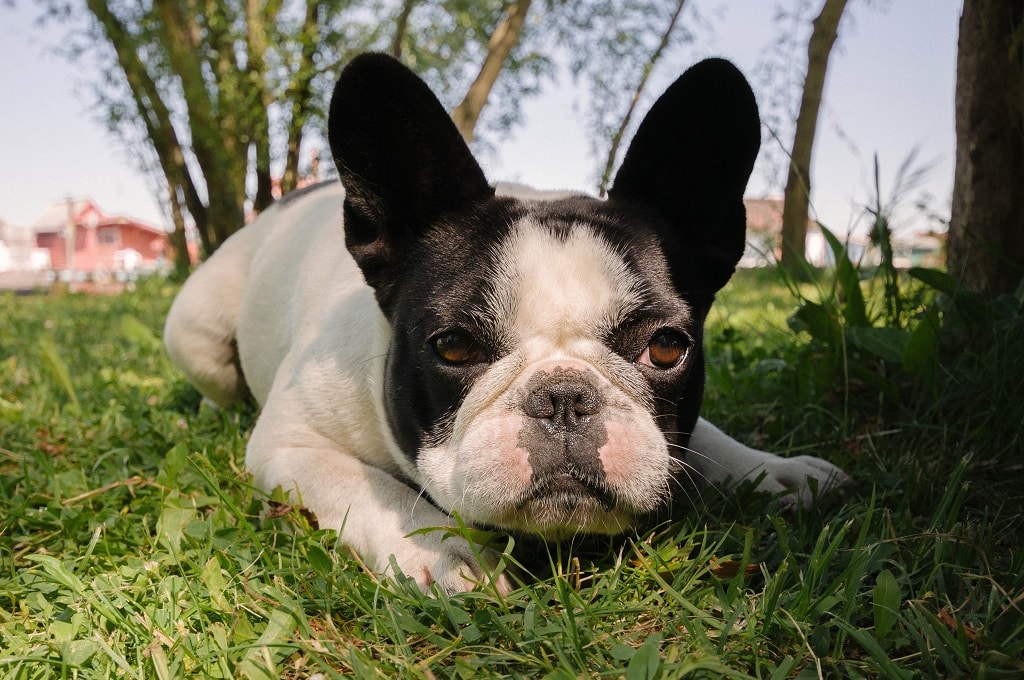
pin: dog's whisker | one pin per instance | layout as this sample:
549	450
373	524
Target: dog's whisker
703	456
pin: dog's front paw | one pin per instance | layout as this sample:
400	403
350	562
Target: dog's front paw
451	562
800	479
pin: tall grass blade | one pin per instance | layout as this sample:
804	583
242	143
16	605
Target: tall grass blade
57	367
139	333
854	308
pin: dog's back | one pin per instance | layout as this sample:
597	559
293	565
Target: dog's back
206	329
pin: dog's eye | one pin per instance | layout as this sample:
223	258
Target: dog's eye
457	348
665	350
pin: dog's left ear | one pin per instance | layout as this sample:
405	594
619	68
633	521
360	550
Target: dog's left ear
690	160
402	162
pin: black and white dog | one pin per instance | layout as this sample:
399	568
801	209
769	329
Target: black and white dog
532	362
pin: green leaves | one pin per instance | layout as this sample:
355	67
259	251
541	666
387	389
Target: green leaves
848	277
645	664
139	333
888	344
865	335
886	599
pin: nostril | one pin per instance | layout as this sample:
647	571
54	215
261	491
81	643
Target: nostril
541	404
563	397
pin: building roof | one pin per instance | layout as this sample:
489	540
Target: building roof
56	216
765	215
85	213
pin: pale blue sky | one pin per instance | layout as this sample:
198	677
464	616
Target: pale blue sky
889	90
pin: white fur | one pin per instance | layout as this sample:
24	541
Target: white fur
719	458
312	344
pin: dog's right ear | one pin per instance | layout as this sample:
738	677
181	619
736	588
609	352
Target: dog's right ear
401	160
690	160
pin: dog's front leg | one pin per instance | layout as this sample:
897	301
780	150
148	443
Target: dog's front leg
373	512
717	457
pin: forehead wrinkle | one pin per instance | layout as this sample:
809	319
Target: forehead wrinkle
553	283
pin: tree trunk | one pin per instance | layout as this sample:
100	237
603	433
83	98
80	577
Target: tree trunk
798	183
156	118
499	47
212	135
986	229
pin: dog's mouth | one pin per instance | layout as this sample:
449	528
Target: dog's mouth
568	490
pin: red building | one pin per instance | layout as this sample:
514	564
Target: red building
85	242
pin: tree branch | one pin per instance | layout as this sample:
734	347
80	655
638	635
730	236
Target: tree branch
613	152
499	47
401	28
301	92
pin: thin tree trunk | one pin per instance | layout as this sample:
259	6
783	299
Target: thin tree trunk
401	28
613	152
257	17
301	91
155	116
211	135
179	240
986	229
499	47
798	183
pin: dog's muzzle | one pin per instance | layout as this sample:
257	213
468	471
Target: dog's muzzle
563	433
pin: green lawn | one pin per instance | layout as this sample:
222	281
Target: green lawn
132	546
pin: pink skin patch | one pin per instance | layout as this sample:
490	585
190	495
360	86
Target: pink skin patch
519	465
515	465
619	466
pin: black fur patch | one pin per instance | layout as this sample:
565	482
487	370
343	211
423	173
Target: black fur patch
424	226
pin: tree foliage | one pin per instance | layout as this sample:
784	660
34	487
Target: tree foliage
616	139
612	47
220	92
223	102
220	100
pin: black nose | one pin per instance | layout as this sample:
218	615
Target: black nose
564	398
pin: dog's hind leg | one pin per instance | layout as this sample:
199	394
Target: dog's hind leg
200	330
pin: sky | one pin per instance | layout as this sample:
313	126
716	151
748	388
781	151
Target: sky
889	91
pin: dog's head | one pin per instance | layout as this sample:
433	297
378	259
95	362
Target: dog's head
546	363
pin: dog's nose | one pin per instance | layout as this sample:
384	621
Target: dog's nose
563	397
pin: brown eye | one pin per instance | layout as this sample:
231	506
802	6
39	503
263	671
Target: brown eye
457	348
665	350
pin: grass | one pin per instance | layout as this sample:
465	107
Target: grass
131	544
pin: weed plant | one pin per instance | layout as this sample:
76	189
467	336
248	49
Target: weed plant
132	544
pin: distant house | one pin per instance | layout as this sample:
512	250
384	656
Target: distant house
764	241
23	266
84	243
764	235
18	250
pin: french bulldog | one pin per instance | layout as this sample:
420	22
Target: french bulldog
424	346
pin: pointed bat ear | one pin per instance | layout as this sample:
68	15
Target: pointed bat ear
690	161
401	160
